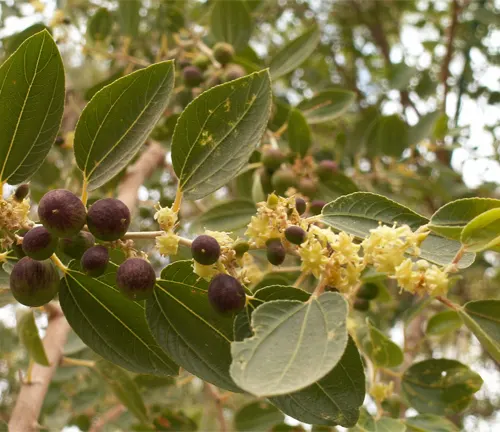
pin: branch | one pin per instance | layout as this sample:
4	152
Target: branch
108	416
29	402
214	394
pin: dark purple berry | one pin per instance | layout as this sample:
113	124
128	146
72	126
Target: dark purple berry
192	76
226	294
361	305
108	219
275	252
326	169
307	187
75	246
223	53
205	250
39	244
95	260
22	192
368	291
136	279
295	235
34	283
62	213
316	207
233	72
300	205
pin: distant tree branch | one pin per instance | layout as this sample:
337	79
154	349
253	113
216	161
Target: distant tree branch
108	416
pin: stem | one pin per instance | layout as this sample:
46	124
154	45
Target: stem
119	56
178	200
300	279
448	303
152	235
107	417
320	288
68	361
55	259
214	394
281	130
85	194
29	373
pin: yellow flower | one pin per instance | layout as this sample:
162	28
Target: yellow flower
168	243
249	272
205	271
380	391
166	217
421	277
222	238
436	281
313	256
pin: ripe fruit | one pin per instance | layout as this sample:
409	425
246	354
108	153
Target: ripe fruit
326	169
272	158
275	252
34	283
361	305
62	213
192	76
233	71
95	260
21	192
226	294
300	205
316	207
367	291
205	250
295	235
307	187
282	180
108	219
136	279
223	53
39	244
75	246
240	247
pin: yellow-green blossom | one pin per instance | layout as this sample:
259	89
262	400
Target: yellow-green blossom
167	244
166	217
313	256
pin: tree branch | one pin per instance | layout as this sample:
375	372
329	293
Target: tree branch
107	417
214	394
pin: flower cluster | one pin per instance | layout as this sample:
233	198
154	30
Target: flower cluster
14	216
168	243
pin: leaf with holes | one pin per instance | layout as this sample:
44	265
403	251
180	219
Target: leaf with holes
217	132
110	324
288	336
29	337
360	212
31	106
231	22
299	134
228	216
187	327
292	55
482	317
118	119
440	386
327	105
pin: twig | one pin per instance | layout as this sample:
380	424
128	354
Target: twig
448	303
118	56
108	416
214	394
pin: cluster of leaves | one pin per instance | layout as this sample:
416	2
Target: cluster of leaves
287	346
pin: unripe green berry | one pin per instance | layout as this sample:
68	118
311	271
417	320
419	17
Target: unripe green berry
361	305
205	250
201	61
272	200
136	279
108	219
95	260
307	187
39	244
316	207
265	181
368	291
226	294
295	235
326	169
223	53
282	180
76	246
192	76
241	247
272	158
275	252
22	192
300	206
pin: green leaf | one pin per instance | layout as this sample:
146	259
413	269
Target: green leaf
293	54
293	334
29	337
443	323
229	216
333	400
13	42
451	219
187	327
327	105
124	388
128	16
299	134
256	417
360	212
339	184
217	132
424	128
392	135
100	25
382	351
400	76
111	325
367	423
429	423
482	232
31	106
231	22
118	119
482	317
440	386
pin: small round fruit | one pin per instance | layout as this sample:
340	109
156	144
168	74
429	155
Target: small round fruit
223	53
201	61
192	76
226	294
307	187
95	260
272	158
368	291
361	305
62	213
136	279
108	219
282	180
265	181
39	244
75	246
233	72
295	234
300	205
34	283
275	252
326	169
241	247
316	207
205	250
22	192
